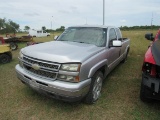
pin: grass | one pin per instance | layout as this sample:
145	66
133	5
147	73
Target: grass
119	99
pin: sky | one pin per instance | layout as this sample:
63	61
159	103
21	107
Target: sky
55	13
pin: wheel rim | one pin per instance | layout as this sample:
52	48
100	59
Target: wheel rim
13	47
4	60
97	88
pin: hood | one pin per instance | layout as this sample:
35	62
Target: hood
155	48
62	51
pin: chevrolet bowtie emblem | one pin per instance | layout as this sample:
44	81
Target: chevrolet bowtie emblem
35	66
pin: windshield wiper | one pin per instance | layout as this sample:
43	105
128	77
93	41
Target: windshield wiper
62	40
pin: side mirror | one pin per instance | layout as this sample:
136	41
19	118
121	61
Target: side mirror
56	37
149	36
117	43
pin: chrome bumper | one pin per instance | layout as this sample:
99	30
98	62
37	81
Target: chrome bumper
57	89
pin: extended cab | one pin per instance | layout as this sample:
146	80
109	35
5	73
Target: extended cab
74	66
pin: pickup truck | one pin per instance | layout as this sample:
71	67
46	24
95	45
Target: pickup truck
73	67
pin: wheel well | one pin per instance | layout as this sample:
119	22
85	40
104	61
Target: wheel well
102	69
128	49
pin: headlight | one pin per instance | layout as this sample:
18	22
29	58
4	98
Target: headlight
69	72
20	55
68	78
20	59
70	67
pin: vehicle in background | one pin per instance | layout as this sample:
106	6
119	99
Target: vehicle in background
150	85
5	52
38	33
13	40
32	43
73	67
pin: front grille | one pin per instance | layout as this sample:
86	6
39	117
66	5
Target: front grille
41	72
40	63
45	69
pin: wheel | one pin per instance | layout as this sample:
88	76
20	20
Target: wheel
4	58
144	93
95	88
14	46
125	59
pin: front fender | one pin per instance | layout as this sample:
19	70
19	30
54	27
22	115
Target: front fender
97	67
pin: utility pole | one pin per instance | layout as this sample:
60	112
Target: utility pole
51	22
103	12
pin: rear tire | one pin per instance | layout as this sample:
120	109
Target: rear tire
4	58
95	88
125	59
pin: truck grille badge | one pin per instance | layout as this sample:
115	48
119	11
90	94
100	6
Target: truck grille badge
35	66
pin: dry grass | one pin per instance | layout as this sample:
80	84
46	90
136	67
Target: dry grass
119	100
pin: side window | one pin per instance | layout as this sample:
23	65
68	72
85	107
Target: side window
0	42
119	36
112	36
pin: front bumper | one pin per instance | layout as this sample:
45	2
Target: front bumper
152	86
150	82
57	89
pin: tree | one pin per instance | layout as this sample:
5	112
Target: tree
14	26
62	28
43	28
2	23
26	28
8	26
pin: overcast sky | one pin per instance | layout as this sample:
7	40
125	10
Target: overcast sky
38	13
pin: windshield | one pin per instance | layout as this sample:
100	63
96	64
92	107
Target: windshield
89	35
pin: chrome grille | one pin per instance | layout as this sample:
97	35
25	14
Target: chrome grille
46	69
41	73
40	63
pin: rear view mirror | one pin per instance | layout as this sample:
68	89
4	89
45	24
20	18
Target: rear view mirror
149	36
117	43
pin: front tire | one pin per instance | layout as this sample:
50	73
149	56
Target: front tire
4	58
125	59
95	88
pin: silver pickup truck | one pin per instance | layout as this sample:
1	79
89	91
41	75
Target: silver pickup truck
73	67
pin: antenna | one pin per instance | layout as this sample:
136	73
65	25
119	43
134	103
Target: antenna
152	22
103	12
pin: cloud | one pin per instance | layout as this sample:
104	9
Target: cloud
31	14
72	12
123	21
64	11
